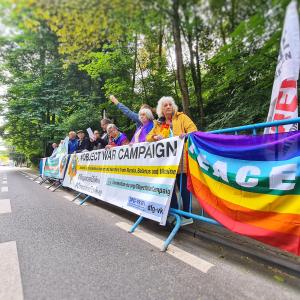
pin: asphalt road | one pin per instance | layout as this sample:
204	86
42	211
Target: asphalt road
51	248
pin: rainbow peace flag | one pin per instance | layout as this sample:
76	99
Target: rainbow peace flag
249	184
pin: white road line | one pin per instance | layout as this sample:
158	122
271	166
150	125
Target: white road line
10	277
4	189
5	208
69	197
190	259
4	182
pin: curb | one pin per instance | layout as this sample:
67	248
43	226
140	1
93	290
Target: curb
244	244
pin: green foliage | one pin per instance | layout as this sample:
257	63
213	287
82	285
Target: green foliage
62	59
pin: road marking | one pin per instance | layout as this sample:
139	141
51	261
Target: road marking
188	258
4	189
5	208
4	182
10	277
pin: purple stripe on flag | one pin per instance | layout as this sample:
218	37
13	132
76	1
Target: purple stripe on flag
266	147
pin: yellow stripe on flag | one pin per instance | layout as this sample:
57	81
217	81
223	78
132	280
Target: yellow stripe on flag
289	204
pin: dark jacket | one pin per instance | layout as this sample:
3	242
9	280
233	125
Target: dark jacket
85	144
105	138
98	144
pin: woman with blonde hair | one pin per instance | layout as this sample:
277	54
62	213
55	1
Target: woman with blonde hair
173	123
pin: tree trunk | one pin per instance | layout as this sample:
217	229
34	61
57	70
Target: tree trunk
179	58
134	63
199	85
160	45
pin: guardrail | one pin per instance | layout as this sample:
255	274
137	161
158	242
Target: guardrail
178	213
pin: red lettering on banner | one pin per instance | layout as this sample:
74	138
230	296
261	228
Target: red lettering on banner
283	102
278	117
289	84
287	101
287	98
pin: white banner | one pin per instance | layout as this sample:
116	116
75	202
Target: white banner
139	178
284	100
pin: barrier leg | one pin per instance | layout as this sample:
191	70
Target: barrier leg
77	196
85	199
173	232
44	180
57	187
136	224
51	185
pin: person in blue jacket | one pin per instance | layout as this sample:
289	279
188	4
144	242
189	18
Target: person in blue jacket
73	142
127	112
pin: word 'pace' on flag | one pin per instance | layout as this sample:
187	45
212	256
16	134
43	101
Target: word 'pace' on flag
249	184
284	99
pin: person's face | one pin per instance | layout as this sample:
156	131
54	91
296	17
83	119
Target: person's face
96	134
72	136
80	135
167	108
103	125
143	117
112	132
54	145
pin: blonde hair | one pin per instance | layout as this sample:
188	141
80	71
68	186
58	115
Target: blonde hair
148	113
161	102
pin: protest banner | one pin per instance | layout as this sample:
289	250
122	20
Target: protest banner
139	177
54	166
284	99
249	184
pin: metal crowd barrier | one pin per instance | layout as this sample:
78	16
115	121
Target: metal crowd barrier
178	213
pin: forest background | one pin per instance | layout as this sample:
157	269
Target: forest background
61	59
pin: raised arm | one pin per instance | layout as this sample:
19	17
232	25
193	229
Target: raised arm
125	110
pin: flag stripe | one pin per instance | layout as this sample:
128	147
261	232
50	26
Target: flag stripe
283	241
255	201
264	220
247	147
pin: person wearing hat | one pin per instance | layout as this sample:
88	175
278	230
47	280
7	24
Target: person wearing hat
84	143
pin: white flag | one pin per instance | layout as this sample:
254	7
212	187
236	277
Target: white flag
284	99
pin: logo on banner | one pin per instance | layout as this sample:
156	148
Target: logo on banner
63	164
72	168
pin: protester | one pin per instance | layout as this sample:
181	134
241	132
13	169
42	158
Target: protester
104	123
97	143
146	119
73	142
54	146
127	112
84	143
116	138
173	123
